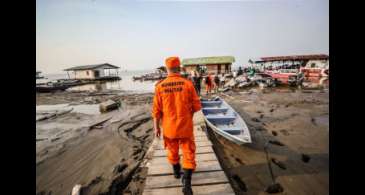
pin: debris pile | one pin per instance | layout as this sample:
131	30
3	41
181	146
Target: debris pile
108	106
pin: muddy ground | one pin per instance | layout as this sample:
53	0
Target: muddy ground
104	159
296	125
102	152
82	97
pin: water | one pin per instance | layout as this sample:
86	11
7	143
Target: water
125	84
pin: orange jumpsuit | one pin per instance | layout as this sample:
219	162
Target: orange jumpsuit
209	85
175	102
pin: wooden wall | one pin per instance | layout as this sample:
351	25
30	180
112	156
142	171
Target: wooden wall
211	68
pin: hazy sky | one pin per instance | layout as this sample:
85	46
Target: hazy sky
138	35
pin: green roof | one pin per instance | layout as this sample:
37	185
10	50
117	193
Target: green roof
208	60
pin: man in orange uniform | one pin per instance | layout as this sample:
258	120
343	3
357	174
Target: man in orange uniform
175	103
208	83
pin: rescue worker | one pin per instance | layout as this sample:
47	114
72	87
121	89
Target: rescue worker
174	104
208	83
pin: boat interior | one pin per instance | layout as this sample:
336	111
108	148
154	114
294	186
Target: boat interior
222	116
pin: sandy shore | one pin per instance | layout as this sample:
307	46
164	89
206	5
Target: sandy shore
298	120
103	158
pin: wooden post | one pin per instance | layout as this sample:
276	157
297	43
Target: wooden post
68	75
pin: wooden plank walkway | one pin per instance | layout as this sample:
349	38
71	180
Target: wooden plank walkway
208	177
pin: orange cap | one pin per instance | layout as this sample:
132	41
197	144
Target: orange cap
172	62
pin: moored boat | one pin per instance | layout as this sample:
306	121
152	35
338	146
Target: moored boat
38	75
225	121
50	87
283	76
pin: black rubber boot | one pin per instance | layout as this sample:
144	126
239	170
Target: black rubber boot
186	182
177	170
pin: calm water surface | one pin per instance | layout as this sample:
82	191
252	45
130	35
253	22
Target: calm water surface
125	84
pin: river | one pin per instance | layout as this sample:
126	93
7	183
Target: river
125	84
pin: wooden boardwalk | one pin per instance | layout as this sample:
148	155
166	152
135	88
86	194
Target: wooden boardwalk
208	177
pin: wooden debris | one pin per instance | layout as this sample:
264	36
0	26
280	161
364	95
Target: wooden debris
108	106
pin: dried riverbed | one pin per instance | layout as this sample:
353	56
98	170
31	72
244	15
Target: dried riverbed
296	125
102	152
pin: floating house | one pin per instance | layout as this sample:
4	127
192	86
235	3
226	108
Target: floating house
214	65
38	75
104	71
159	73
320	61
162	69
314	67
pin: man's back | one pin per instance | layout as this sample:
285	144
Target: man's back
175	102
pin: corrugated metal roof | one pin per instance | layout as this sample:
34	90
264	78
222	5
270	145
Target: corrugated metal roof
296	57
208	60
255	60
94	66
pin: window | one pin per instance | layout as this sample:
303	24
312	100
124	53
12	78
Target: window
313	65
87	73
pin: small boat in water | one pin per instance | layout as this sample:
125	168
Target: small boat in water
225	121
50	87
38	75
68	82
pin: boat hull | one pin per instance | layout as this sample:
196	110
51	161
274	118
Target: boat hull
230	138
42	89
222	119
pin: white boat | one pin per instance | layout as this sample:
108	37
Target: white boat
225	121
